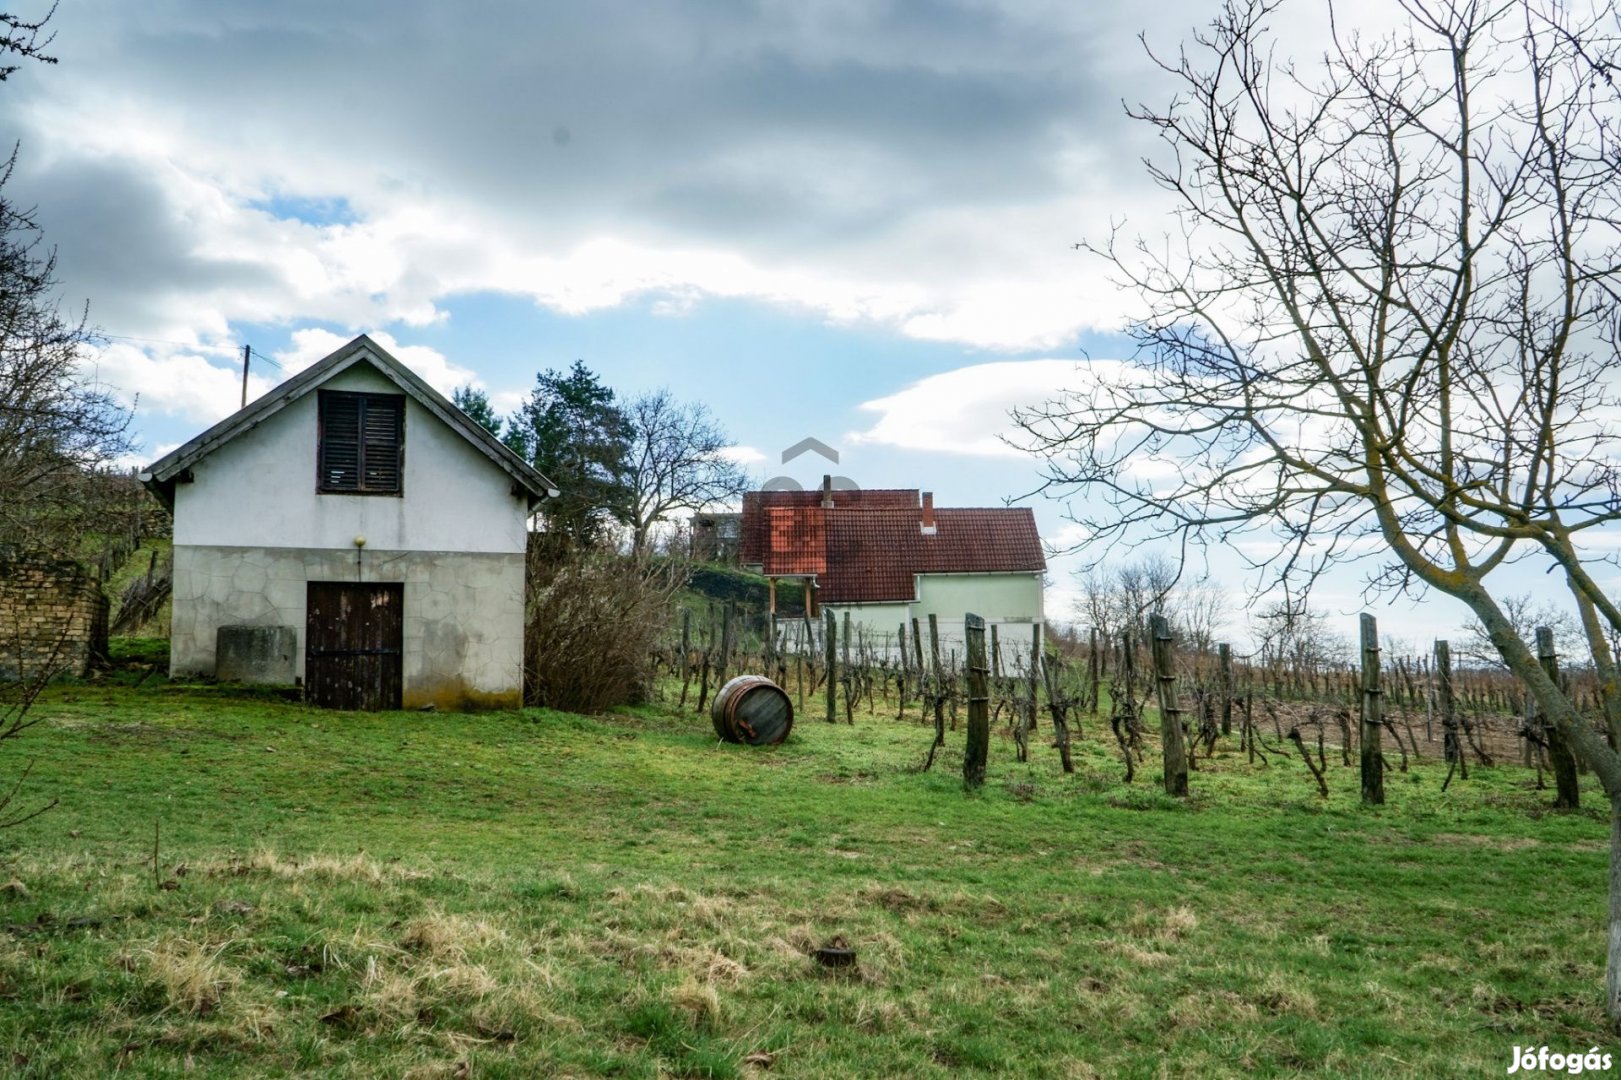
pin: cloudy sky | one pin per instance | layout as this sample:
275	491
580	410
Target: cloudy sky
849	219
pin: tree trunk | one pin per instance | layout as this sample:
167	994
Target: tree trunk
1567	791
1612	965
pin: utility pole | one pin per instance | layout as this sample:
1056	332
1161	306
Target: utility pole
247	351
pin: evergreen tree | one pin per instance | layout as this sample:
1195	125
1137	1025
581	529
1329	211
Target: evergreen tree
573	432
476	404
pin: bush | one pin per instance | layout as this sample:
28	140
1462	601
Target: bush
592	623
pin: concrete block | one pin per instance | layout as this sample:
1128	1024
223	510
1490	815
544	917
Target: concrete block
265	655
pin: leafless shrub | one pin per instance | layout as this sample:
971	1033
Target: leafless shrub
592	627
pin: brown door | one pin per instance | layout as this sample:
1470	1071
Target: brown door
352	645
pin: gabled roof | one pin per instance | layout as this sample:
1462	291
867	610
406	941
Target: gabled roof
869	551
160	477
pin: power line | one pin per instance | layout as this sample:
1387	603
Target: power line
185	345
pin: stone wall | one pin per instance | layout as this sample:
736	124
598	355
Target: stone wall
53	618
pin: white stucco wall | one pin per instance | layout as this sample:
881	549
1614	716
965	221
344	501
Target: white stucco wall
874	618
259	489
875	625
1012	602
463	613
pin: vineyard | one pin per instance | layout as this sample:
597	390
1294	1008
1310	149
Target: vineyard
1402	708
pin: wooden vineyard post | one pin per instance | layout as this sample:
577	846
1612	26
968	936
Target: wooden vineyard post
1035	676
686	653
1170	715
1373	762
725	644
1567	792
1224	660
906	664
1058	705
706	666
1093	674
938	677
1012	688
770	657
904	674
979	699
830	640
845	679
1446	705
917	656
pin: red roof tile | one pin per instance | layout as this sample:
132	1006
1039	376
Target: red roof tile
753	535
866	550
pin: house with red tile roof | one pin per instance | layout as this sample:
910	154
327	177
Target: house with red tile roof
890	555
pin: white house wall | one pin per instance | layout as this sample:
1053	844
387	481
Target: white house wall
873	618
463	613
1012	602
259	489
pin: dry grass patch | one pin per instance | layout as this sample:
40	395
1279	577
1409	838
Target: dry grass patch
1163	926
192	976
359	868
1135	954
1280	992
445	937
699	1000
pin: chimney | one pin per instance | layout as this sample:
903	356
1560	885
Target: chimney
827	492
927	524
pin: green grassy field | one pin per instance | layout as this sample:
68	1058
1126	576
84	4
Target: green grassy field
541	894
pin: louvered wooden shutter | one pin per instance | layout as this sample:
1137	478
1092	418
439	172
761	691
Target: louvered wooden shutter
381	424
361	443
339	468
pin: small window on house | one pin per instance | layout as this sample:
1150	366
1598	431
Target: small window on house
362	443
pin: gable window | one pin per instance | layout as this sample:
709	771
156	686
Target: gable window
362	443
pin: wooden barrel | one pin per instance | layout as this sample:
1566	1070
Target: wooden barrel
752	709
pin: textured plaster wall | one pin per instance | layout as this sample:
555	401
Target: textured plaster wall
1013	601
463	618
259	489
875	618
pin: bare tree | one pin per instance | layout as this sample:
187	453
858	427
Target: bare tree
1145	587
1201	613
1524	613
1387	329
677	461
1290	634
24	39
58	427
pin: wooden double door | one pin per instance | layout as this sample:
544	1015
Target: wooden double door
354	645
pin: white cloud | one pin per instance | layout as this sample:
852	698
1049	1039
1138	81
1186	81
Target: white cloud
1070	535
173	381
968	410
313	344
743	455
507	402
924	173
